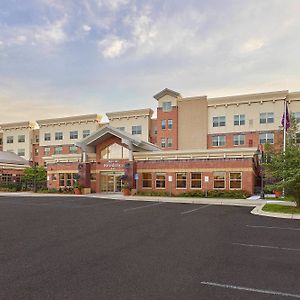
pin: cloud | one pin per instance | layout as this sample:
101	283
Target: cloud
252	45
86	27
112	47
112	4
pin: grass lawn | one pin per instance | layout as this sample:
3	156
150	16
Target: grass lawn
281	209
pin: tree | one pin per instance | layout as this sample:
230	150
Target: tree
284	168
35	173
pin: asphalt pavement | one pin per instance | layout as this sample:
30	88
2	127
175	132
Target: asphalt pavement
88	248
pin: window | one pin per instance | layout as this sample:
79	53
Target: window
296	115
219	121
170	142
73	149
136	129
58	136
10	140
170	124
163	124
160	181
6	178
21	138
167	106
163	143
61	179
195	180
47	136
58	150
86	133
47	151
147	180
114	151
266	118
73	135
69	179
36	151
21	152
37	138
180	180
239	120
218	140
239	139
235	180
219	180
121	128
266	138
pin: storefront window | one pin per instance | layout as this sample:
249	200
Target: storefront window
69	179
219	180
115	151
160	181
196	180
235	180
147	180
181	180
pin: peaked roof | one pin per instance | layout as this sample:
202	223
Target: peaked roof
107	131
166	91
12	158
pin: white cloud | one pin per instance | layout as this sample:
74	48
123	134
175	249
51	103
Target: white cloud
20	39
112	47
86	27
112	4
52	33
252	45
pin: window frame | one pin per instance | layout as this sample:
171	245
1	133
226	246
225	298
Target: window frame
86	133
74	135
22	151
147	180
166	106
47	136
236	180
10	139
266	138
170	124
71	151
168	144
163	143
241	120
21	138
55	150
156	180
197	180
214	180
136	129
218	140
163	124
59	136
219	121
181	180
239	135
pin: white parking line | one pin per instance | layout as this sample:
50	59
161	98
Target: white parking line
192	210
242	288
143	206
268	247
273	227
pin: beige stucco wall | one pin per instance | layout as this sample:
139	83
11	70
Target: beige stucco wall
252	115
192	119
15	146
130	121
65	129
167	98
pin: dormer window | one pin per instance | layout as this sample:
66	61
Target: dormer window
167	106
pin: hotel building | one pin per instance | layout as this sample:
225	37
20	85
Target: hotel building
193	143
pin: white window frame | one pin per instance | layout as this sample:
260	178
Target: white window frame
47	136
59	136
235	180
199	180
136	129
167	106
73	147
163	124
74	135
218	140
266	118
186	181
239	120
239	139
170	124
21	138
47	153
163	143
21	152
168	144
266	138
160	174
219	121
60	152
9	139
224	188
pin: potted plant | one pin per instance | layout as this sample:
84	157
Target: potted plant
126	189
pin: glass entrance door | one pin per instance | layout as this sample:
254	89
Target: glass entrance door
110	182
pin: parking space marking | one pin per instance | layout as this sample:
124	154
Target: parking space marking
143	206
192	210
242	288
272	227
268	247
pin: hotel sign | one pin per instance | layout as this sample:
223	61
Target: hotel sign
112	165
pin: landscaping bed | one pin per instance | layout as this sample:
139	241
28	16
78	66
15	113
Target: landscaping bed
277	208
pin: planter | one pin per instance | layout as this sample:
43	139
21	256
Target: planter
77	191
278	194
126	192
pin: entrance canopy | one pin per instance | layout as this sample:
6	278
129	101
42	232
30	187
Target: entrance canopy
134	144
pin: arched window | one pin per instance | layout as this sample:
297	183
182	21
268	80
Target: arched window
115	151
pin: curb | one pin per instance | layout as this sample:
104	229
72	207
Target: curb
259	212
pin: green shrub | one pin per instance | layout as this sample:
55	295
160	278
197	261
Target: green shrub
153	193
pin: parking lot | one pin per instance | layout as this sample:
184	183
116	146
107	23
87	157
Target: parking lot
87	248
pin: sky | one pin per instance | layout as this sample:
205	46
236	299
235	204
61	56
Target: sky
68	57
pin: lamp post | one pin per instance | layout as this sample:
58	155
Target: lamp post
262	194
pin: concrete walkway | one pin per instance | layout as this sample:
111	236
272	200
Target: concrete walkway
250	202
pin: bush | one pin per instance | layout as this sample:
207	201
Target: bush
154	193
